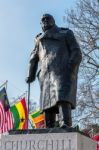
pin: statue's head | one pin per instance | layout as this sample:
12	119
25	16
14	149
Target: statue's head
47	22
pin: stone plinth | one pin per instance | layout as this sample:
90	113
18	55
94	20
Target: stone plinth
47	141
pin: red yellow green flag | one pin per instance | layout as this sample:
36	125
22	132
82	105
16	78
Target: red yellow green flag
20	114
38	119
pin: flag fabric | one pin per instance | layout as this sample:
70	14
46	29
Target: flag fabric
6	120
38	119
20	114
4	99
96	138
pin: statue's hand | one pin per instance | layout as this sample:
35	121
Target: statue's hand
28	80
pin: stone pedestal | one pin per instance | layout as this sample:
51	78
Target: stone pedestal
47	141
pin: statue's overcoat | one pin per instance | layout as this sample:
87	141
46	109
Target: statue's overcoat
57	56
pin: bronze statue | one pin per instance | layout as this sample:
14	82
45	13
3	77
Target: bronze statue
55	61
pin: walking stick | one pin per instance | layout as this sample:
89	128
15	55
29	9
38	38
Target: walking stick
28	104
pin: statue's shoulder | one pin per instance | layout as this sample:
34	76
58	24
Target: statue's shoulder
64	30
68	32
37	37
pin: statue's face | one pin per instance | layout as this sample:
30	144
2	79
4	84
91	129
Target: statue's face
47	22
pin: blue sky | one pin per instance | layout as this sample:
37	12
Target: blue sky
19	24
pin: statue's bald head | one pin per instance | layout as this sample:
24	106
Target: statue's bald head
47	22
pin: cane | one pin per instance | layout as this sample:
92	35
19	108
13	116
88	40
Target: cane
28	105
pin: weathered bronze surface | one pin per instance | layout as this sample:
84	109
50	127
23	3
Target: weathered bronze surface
55	61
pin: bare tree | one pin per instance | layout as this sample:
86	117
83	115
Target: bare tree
84	21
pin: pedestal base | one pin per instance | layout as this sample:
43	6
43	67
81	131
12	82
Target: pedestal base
47	141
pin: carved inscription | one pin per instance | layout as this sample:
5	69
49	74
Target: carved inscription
37	145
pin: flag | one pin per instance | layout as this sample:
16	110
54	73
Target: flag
38	119
20	114
4	98
6	120
96	138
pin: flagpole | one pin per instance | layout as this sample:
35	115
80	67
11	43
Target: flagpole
28	104
31	124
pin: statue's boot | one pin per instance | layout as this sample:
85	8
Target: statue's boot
65	120
49	119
